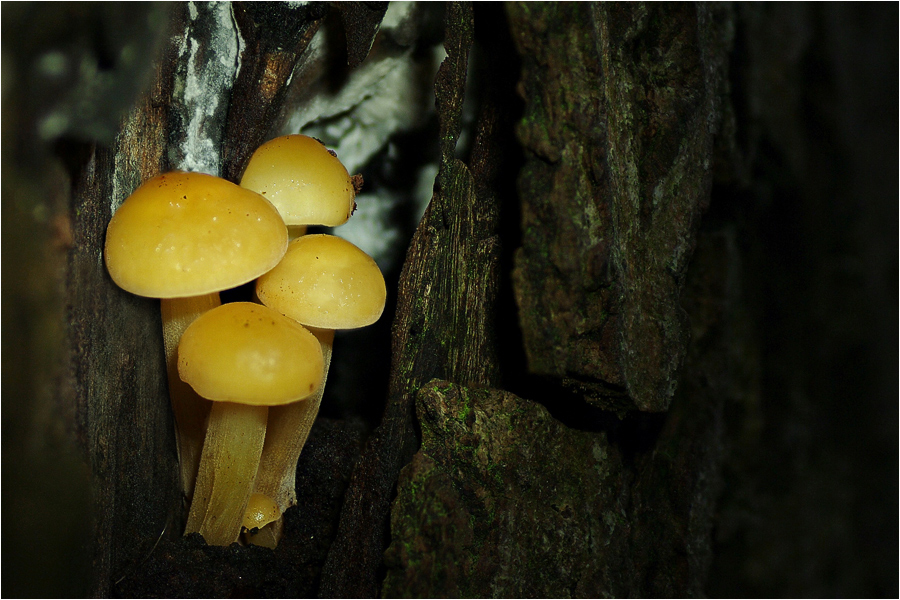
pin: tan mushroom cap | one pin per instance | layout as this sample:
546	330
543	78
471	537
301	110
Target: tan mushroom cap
188	234
250	354
261	510
327	282
307	184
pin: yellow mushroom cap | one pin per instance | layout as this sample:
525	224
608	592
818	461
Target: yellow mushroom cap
250	354
188	234
261	510
307	184
327	282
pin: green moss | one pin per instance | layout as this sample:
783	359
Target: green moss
487	489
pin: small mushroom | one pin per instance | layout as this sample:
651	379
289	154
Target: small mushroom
261	511
184	237
325	283
245	358
306	183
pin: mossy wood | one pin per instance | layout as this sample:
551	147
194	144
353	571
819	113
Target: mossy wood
443	326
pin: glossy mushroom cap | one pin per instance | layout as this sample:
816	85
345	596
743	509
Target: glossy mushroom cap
261	510
250	354
188	234
327	282
307	184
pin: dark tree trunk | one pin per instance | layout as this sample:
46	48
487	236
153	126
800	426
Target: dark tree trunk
642	342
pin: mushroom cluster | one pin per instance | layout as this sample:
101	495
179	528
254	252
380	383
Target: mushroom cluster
246	378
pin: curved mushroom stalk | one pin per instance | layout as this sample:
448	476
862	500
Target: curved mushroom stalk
288	429
325	283
191	411
234	443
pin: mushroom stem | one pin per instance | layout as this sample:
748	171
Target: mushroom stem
228	466
288	430
191	411
295	231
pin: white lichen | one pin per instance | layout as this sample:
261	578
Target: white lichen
398	14
389	93
370	230
209	77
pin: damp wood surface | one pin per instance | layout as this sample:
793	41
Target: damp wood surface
443	323
638	332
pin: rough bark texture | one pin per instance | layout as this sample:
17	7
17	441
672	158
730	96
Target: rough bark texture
591	392
444	320
477	507
275	39
480	503
619	171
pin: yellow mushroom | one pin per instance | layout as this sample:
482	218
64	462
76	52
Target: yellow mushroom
325	283
261	511
184	237
245	357
306	183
